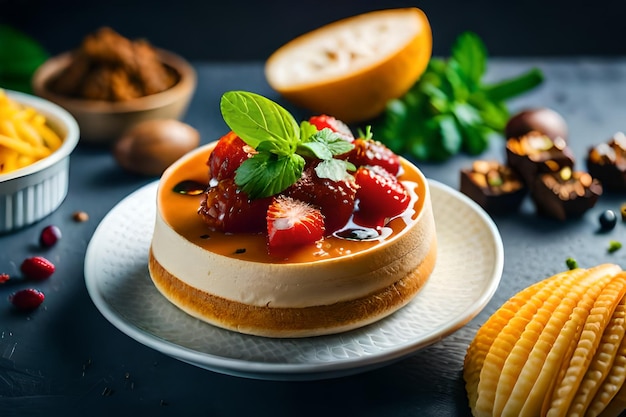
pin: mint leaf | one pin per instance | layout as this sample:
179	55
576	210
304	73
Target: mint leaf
280	143
470	53
267	174
334	169
331	140
507	89
256	119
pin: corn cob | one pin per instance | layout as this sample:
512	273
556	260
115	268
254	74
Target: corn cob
614	381
478	348
504	342
595	379
557	347
544	361
518	358
595	323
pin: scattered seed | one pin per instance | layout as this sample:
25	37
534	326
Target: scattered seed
571	263
106	392
86	365
240	250
80	216
614	245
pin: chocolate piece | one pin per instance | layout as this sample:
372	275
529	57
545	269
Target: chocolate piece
495	187
607	163
565	194
535	153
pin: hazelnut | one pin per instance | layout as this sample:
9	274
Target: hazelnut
542	120
149	147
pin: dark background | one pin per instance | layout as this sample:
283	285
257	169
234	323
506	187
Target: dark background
242	30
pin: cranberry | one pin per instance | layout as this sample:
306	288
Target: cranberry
28	299
49	236
37	268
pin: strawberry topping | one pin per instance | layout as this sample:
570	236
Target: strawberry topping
372	152
292	222
228	209
380	196
335	199
301	184
324	121
229	153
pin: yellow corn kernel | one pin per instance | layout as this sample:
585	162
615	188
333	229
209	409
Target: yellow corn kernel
503	344
486	334
528	394
601	364
593	328
520	352
617	405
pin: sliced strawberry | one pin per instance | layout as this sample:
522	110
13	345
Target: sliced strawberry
228	154
292	222
335	199
372	152
336	125
380	196
228	209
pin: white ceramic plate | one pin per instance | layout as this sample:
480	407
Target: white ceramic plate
467	273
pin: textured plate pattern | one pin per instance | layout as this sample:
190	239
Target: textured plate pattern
468	270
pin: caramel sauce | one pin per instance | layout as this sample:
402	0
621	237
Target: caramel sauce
180	211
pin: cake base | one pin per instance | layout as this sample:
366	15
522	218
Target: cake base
293	322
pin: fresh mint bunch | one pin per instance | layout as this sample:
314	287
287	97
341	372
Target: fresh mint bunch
450	109
281	145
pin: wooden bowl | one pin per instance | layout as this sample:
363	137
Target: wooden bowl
102	122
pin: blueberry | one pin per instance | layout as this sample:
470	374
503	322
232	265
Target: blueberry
608	220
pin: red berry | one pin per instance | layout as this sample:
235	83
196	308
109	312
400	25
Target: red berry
37	268
49	236
337	126
380	196
335	199
4	278
371	152
228	154
28	299
228	209
292	222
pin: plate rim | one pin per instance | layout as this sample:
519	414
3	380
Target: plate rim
294	371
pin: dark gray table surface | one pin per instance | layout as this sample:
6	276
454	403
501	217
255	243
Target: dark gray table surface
66	359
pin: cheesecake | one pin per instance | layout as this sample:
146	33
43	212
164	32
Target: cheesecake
354	275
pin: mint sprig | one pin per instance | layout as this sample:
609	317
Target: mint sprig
281	145
450	109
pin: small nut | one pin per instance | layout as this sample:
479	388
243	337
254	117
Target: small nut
542	120
151	146
80	216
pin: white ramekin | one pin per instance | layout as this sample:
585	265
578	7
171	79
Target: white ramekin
29	194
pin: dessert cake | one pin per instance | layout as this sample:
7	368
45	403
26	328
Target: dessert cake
324	254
